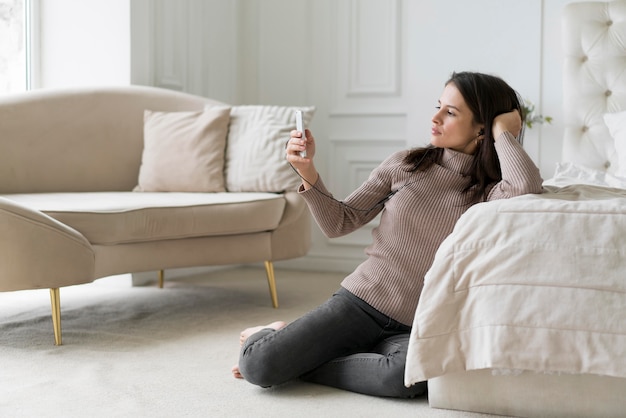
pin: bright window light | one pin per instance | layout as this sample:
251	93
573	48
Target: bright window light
15	45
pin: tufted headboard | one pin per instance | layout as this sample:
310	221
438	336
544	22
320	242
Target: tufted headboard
594	80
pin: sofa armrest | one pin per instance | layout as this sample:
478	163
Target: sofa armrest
36	251
292	238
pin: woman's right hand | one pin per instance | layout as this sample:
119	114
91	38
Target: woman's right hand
296	144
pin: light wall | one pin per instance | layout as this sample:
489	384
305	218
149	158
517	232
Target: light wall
82	43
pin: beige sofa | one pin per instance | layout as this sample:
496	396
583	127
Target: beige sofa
104	181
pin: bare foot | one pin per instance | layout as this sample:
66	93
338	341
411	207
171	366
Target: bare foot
247	333
236	373
253	330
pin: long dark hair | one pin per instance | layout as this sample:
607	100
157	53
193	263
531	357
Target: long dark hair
487	96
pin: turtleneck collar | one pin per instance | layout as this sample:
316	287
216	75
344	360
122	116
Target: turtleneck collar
456	161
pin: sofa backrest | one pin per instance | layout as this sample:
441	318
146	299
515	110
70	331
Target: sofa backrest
74	140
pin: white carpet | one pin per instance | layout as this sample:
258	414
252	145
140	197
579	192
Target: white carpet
143	351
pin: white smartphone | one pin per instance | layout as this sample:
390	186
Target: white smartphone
300	127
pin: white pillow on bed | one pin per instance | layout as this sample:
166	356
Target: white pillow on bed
570	173
616	122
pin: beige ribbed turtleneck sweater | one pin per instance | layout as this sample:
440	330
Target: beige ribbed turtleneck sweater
414	221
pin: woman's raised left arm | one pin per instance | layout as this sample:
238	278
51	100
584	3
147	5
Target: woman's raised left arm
520	175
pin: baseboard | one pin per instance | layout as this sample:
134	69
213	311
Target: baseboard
147	278
307	263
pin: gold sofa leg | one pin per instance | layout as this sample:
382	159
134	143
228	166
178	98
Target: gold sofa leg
55	301
271	281
161	278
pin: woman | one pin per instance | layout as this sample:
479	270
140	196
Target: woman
358	339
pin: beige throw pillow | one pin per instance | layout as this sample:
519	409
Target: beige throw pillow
184	151
255	151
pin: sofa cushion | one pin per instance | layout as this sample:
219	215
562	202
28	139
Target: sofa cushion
184	151
255	150
125	217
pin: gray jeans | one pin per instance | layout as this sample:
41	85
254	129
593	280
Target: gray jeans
344	343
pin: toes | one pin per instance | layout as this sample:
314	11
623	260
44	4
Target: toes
236	373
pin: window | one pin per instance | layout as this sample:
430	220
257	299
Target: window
15	43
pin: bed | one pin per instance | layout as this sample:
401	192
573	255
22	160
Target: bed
523	311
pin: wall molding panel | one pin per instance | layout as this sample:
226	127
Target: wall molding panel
374	39
171	35
368	57
189	46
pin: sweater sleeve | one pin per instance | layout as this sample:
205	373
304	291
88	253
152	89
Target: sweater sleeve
520	175
337	218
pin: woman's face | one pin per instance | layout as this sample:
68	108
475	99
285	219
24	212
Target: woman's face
453	123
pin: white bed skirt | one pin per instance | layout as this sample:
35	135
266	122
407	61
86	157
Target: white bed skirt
530	394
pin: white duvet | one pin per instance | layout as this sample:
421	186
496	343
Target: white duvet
536	282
